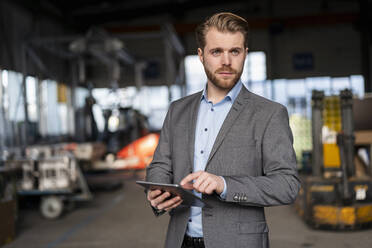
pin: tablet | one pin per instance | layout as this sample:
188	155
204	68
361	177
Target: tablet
189	199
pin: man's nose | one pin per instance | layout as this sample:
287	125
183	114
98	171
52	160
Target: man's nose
226	60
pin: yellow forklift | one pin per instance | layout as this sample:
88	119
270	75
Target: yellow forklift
335	195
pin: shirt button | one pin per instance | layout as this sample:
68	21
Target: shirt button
190	220
212	109
201	151
205	129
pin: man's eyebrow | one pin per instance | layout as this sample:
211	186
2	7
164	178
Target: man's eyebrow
215	49
221	49
236	48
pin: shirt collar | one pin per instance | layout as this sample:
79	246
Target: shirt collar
232	95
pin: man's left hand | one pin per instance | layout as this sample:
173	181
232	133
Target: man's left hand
204	182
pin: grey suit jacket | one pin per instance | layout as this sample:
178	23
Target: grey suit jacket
253	152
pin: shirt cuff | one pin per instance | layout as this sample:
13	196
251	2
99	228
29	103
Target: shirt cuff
223	194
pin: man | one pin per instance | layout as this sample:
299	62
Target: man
232	147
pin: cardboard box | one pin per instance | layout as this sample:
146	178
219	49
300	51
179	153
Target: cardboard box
363	137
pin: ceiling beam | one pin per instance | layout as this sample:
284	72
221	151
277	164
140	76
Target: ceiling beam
122	13
254	23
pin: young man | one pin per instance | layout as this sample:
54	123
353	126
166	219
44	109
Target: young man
232	147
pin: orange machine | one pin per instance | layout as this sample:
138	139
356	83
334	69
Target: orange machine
141	151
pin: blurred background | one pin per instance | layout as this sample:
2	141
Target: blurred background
85	86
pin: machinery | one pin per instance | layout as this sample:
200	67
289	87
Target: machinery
137	155
57	180
337	194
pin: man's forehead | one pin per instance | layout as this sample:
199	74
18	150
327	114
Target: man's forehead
215	38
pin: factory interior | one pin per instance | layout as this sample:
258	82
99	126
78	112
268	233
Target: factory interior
85	86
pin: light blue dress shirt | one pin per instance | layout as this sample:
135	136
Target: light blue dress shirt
209	122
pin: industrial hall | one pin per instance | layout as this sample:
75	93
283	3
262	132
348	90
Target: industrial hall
186	124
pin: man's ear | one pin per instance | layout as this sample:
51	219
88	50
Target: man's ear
200	54
246	50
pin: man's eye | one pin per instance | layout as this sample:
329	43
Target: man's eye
235	52
216	52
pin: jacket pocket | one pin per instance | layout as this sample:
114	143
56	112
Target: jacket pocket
252	227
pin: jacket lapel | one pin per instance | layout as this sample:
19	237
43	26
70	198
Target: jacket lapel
192	127
234	112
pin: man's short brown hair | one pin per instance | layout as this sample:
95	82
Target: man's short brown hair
223	22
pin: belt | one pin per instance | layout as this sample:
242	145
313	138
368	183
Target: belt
193	242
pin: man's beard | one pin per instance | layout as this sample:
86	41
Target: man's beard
222	84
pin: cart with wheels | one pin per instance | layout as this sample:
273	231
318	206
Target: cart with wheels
58	181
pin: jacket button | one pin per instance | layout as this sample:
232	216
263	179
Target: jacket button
245	198
236	198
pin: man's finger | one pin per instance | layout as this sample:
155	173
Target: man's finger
203	177
174	206
169	203
158	200
188	186
204	185
211	187
190	177
152	194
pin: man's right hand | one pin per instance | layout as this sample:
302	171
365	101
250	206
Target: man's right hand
161	200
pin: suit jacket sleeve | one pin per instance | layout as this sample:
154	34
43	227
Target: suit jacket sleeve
279	183
160	170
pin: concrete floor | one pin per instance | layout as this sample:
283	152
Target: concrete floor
122	218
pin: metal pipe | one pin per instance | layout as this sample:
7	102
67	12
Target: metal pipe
75	72
170	64
2	117
174	41
53	40
348	129
38	62
317	124
25	129
43	121
343	157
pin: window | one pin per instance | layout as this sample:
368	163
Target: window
53	115
13	82
254	67
195	75
80	95
31	90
